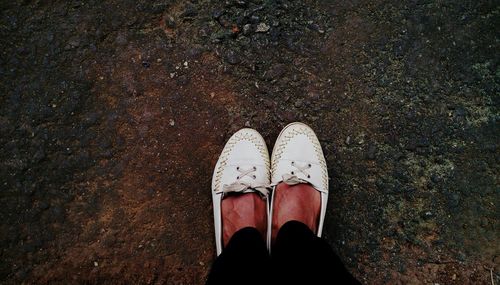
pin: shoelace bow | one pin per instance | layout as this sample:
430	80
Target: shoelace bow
243	187
292	178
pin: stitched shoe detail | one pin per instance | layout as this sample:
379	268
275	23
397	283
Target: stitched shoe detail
247	135
289	133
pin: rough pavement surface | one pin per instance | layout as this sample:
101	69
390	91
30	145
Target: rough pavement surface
113	113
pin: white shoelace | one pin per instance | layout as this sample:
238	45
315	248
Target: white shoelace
292	178
246	172
243	187
301	168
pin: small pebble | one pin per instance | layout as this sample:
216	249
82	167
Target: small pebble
348	140
169	21
247	29
217	14
121	39
262	28
232	57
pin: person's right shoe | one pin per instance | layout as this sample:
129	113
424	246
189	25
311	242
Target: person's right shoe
297	158
242	167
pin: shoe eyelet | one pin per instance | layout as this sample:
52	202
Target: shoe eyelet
254	168
309	165
237	168
293	162
293	173
237	178
254	177
308	176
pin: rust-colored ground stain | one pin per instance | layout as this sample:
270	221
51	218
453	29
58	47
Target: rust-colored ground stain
155	223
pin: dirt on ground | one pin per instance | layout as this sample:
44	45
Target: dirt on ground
113	114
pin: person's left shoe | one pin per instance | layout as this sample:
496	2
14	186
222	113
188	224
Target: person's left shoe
243	167
297	158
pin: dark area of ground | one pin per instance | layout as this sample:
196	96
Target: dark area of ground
113	113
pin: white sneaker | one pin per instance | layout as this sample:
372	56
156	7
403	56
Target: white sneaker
298	158
243	167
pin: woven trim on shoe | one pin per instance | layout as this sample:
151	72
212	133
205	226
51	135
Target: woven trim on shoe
317	148
256	141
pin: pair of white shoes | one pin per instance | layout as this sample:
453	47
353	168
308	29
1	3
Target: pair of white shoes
244	166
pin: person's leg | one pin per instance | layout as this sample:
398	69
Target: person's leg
245	259
298	255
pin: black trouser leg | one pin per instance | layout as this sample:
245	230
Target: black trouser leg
244	260
299	256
